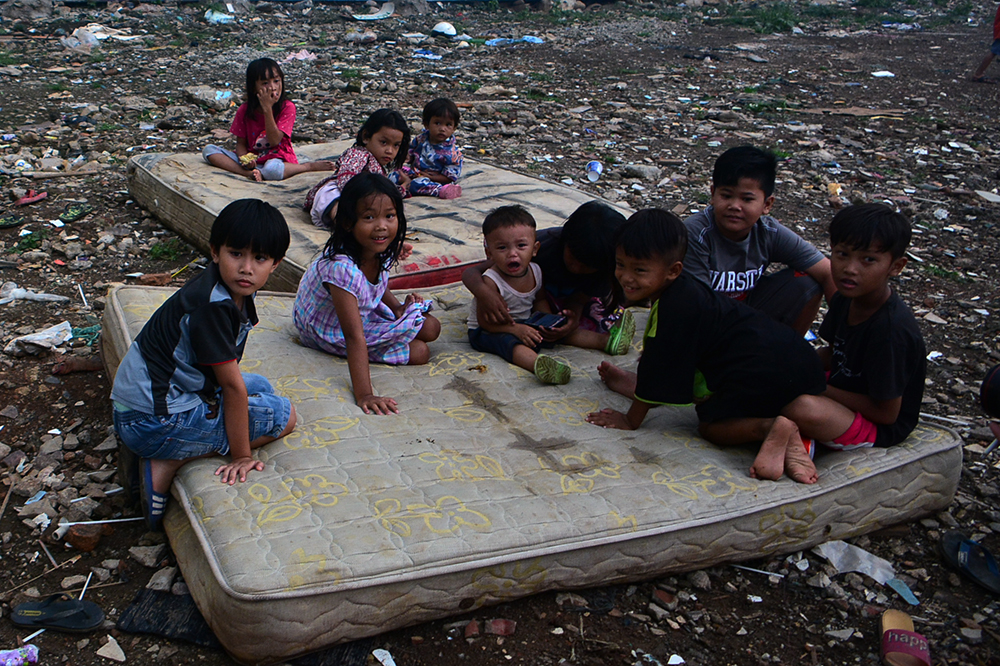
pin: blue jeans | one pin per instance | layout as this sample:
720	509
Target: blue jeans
202	430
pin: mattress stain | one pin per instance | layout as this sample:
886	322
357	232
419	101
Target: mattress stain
478	397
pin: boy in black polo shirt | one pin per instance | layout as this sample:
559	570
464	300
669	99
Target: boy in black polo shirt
179	393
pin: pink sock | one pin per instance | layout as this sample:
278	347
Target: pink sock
450	191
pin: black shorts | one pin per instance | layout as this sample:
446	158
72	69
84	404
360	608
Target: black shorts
793	369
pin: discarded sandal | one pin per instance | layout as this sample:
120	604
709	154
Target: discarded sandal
901	646
30	198
60	612
10	220
153	503
74	211
973	560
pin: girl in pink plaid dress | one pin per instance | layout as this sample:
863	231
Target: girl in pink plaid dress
343	305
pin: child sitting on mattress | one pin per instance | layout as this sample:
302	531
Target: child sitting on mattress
754	367
263	130
876	357
380	148
343	305
434	160
578	264
509	237
179	393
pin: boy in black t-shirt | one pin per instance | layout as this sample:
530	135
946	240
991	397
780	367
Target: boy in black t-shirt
752	365
876	356
179	393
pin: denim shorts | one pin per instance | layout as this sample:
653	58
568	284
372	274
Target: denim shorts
500	344
273	169
202	430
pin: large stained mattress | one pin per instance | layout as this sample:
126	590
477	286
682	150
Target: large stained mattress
186	194
488	486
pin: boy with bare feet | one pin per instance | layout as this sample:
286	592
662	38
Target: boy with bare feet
752	365
876	356
179	393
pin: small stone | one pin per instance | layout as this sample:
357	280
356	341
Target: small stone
658	612
971	636
643	171
162	580
841	634
499	627
700	580
110	443
180	589
472	629
86	537
147	556
70	582
111	650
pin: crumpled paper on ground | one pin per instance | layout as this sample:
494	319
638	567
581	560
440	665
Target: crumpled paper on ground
34	344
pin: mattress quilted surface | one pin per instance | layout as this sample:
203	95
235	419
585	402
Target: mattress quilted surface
487	486
186	194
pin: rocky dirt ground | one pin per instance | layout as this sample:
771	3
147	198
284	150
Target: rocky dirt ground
654	91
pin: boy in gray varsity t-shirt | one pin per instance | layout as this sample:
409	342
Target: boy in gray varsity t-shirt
732	242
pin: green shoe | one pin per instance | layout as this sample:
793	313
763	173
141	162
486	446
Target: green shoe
75	211
550	371
621	334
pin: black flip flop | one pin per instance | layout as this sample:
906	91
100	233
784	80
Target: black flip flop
972	559
59	612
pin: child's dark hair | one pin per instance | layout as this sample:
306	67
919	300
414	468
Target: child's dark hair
442	107
507	216
393	120
872	226
746	162
589	234
264	68
251	223
651	233
358	191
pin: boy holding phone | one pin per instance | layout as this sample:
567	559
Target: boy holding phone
509	240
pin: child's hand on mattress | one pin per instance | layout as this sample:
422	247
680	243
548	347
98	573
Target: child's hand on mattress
609	418
381	405
237	469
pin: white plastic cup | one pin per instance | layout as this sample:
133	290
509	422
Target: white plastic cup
594	170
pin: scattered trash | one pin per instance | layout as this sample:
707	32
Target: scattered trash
27	654
300	55
30	198
356	36
426	54
883	75
384	657
9	291
846	557
215	18
111	650
34	344
444	28
505	41
385	12
594	170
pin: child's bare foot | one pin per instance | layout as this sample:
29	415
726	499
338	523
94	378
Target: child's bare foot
321	165
798	465
618	380
770	461
450	191
255	175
